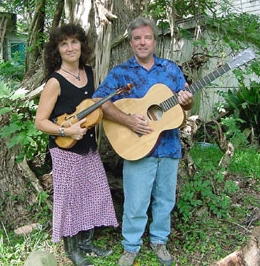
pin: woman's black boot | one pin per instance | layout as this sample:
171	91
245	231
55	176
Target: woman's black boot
73	251
86	245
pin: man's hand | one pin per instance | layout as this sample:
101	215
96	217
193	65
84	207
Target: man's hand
139	124
185	99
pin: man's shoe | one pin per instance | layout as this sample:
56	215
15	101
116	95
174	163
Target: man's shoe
127	259
163	254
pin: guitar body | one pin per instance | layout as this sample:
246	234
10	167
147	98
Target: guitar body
66	120
132	146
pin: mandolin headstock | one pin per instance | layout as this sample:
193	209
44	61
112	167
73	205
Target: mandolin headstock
126	88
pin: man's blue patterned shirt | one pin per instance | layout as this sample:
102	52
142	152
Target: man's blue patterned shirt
163	71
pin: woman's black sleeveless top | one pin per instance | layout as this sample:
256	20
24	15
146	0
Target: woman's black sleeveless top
69	98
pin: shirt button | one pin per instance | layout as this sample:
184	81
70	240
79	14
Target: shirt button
91	135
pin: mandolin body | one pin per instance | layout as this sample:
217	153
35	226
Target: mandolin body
67	120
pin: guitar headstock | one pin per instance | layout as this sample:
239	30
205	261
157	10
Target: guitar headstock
126	88
242	58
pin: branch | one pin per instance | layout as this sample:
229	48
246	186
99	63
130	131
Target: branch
33	179
104	14
247	255
36	92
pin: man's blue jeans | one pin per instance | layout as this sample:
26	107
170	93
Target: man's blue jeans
148	180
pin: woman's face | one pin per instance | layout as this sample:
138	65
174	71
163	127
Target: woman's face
70	49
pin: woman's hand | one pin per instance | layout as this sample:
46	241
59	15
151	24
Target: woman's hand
75	131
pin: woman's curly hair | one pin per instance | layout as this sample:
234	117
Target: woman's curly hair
52	58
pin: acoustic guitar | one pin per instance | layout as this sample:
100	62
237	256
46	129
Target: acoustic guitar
162	111
87	108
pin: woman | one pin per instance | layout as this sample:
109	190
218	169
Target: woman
82	198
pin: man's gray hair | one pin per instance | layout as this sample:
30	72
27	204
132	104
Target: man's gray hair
139	22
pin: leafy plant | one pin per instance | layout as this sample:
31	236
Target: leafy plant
201	217
230	22
241	108
207	193
13	70
233	130
247	162
20	130
14	249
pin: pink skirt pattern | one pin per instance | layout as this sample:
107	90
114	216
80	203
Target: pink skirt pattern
82	198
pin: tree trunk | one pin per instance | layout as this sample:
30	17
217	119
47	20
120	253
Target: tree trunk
58	14
249	255
3	24
18	189
35	36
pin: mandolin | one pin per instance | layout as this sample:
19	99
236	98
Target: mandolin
161	108
87	108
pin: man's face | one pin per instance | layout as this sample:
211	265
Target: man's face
143	43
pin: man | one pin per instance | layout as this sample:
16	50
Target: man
154	176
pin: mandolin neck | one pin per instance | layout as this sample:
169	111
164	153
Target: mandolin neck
94	106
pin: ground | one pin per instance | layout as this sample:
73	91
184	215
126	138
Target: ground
178	241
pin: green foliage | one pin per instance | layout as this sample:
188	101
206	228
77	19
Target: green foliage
248	25
43	214
12	70
20	131
246	162
242	107
158	9
208	227
233	132
207	192
26	10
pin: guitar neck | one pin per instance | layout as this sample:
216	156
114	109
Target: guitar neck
194	87
199	84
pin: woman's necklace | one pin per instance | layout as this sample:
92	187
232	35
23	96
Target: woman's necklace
76	76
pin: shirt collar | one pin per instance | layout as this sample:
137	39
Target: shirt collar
157	61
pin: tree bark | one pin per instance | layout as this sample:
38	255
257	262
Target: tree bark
249	255
18	195
3	24
35	35
58	14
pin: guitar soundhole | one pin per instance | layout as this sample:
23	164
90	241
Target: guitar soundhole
155	112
